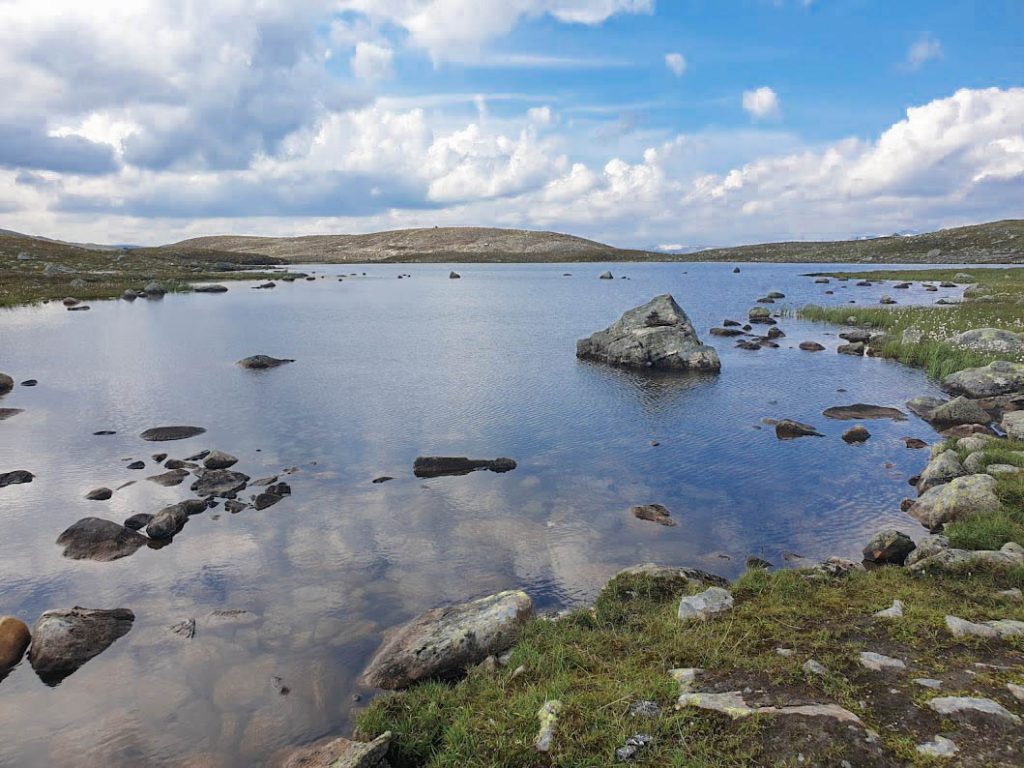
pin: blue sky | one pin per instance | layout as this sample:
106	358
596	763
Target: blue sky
676	123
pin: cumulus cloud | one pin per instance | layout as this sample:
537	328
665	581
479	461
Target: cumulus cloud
372	61
676	63
762	103
924	49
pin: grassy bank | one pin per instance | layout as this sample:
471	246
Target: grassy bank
599	662
994	300
86	274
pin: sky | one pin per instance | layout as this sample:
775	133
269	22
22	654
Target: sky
646	123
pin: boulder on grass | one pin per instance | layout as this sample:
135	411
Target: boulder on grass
959	498
888	547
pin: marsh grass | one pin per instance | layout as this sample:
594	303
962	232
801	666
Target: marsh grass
598	661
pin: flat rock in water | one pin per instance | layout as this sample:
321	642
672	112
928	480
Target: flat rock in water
219	482
436	466
654	513
787	429
859	411
263	362
64	640
210	289
163	434
93	538
99	494
657	335
17	477
170	478
445	642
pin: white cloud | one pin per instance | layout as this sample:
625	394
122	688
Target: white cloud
372	61
540	115
926	48
676	63
762	103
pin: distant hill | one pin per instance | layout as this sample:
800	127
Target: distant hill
439	244
998	242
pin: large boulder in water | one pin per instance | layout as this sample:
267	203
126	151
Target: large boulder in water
657	335
93	538
64	640
996	378
959	498
219	482
444	642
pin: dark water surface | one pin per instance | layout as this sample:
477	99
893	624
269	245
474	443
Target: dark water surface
387	370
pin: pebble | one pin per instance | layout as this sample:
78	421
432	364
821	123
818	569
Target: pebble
812	667
877	662
940	747
927	682
895	611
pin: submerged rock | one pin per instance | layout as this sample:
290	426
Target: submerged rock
17	477
654	513
219	482
436	466
164	434
444	642
93	538
859	411
263	362
959	498
787	429
657	335
997	378
64	640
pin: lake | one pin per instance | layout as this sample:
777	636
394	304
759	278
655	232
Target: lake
387	370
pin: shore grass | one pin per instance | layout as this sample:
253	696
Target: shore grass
598	662
106	274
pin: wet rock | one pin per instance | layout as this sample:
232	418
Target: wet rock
6	413
657	335
342	753
436	466
775	333
997	378
914	443
760	315
210	289
876	662
857	434
787	429
234	506
17	477
263	362
886	299
857	335
138	521
654	513
170	478
444	642
163	434
14	639
454	276
154	290
859	411
959	410
730	324
963	707
940	470
158	457
700	607
219	482
548	716
219	460
856	349
888	547
64	640
381	479
198	456
93	538
266	499
811	346
137	465
727	332
960	497
6	384
168	522
180	464
99	494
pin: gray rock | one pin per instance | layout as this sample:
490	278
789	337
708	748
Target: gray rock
760	315
342	753
927	682
940	470
887	299
894	611
833	567
16	477
961	497
633	746
997	378
454	276
93	538
923	406
170	478
263	362
99	494
154	290
64	640
210	289
811	346
548	716
879	663
1002	628
957	707
856	335
959	410
606	276
946	559
219	460
973	443
219	482
855	349
163	434
657	335
672	576
812	667
939	747
138	521
888	547
700	607
444	642
168	522
1013	425
1003	469
990	340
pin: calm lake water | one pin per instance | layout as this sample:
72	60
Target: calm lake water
386	370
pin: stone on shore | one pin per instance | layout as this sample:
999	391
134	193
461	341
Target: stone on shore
989	340
959	498
93	538
436	466
888	547
64	640
876	662
548	717
657	335
342	753
164	434
154	290
263	362
787	429
700	607
997	378
1010	555
1013	425
14	639
959	410
444	642
940	470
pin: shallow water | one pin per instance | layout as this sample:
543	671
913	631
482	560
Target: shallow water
387	370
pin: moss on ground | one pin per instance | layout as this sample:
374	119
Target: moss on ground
598	662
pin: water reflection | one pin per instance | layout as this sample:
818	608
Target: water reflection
296	596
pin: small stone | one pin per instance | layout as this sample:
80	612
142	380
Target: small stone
962	628
879	663
548	716
645	708
940	747
219	460
812	667
958	706
685	677
1016	690
1010	594
927	682
856	434
632	747
99	494
784	652
137	465
895	611
787	429
811	346
700	607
